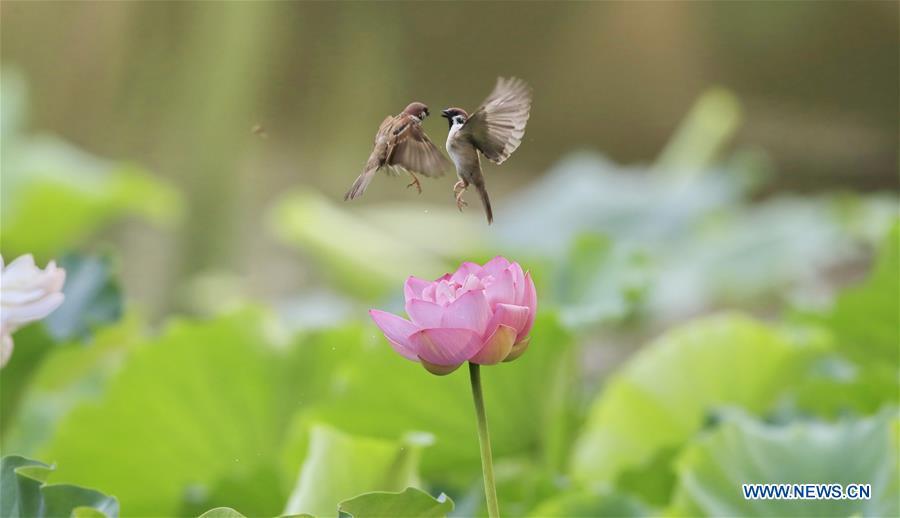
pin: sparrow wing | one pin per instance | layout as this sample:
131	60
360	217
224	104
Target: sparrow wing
384	128
380	150
497	127
414	151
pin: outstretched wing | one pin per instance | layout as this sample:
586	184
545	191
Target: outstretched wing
415	152
384	129
497	127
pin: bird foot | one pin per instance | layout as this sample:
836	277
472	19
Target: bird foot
460	202
416	183
459	189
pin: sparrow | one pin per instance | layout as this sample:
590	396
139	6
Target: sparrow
495	130
401	145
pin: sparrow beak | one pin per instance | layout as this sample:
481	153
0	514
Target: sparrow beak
445	114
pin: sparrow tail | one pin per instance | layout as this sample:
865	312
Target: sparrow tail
486	201
359	186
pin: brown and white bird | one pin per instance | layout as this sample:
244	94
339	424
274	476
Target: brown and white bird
495	130
402	145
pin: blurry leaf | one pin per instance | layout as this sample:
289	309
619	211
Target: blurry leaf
87	512
69	192
222	512
26	494
664	394
598	283
587	252
186	409
93	297
837	387
702	134
461	235
357	254
411	502
527	401
257	490
522	484
779	249
866	319
78	209
705	244
32	343
865	322
627	204
62	499
742	450
319	363
652	481
583	503
339	466
65	377
316	309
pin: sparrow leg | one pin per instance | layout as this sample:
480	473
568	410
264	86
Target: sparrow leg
459	189
415	182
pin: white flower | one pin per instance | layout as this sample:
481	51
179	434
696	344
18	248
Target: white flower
27	293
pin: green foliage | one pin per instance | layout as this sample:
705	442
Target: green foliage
586	503
864	373
222	512
311	222
410	502
682	241
712	121
339	466
93	297
26	493
63	378
84	192
866	323
527	400
668	390
221	412
742	450
227	396
599	282
866	318
224	416
32	344
201	403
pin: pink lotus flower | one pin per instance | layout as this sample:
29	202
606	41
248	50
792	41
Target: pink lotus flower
479	314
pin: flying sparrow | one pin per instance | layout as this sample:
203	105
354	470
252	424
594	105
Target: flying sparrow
495	129
401	145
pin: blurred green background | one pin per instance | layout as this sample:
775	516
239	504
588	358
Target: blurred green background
705	194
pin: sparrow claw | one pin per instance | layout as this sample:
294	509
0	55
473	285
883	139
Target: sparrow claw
460	202
459	189
416	183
